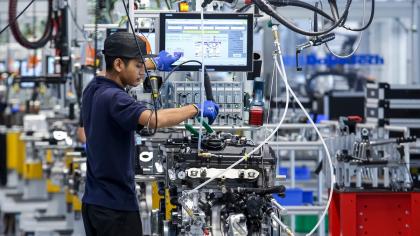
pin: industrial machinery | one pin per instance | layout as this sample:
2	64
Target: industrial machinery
362	163
229	96
75	174
237	202
371	161
371	173
194	179
247	184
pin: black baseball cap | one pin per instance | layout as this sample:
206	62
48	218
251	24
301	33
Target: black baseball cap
123	44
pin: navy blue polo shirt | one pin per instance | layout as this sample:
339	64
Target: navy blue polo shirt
110	117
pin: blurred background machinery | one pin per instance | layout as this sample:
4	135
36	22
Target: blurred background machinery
358	82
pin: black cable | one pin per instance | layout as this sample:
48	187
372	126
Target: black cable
156	118
282	3
316	18
168	5
142	60
372	14
176	68
264	6
17	17
20	38
334	9
135	37
139	30
244	8
207	84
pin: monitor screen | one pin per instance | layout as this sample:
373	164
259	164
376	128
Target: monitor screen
227	40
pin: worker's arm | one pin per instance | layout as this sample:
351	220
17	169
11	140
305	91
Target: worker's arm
167	117
128	113
174	116
81	136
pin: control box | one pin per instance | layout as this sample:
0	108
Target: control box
229	96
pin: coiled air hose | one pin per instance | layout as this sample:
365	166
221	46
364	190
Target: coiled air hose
20	38
266	7
301	4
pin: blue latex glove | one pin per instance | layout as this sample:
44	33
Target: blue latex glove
164	60
210	110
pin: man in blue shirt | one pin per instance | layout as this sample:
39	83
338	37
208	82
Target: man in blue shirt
110	117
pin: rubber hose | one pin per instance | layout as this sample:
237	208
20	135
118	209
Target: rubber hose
372	14
207	87
14	27
282	3
264	6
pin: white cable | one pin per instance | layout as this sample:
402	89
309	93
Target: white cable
278	111
332	179
262	143
283	74
323	143
326	150
273	79
358	41
200	132
271	91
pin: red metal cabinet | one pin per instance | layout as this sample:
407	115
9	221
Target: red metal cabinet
374	213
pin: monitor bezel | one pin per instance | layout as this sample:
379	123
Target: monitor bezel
249	17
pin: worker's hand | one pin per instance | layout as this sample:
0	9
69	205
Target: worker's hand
210	110
164	60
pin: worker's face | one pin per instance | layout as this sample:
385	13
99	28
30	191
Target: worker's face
133	73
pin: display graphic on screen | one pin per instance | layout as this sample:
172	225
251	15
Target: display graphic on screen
224	43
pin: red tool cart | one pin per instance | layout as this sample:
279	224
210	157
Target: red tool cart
375	213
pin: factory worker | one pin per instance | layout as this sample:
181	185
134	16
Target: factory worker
110	117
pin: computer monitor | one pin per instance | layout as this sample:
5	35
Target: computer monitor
227	40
